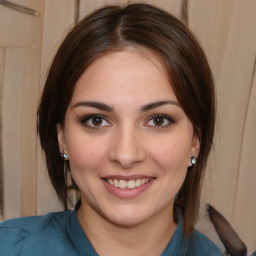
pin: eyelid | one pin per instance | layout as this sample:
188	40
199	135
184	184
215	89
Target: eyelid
86	118
165	116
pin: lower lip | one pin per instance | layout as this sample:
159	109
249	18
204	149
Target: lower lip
126	193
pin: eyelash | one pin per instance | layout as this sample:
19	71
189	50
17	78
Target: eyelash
165	117
86	119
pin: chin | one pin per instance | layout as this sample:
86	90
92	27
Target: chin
126	218
130	221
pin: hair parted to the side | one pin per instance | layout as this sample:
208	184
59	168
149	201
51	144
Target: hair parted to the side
114	28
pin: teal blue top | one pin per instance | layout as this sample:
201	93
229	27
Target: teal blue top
61	234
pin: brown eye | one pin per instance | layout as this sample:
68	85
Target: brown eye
160	120
95	121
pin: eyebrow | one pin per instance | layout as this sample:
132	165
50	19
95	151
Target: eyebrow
105	107
93	104
158	104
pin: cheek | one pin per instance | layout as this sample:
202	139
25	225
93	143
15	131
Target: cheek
85	152
171	158
172	153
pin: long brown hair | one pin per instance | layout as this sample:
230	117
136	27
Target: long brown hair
114	28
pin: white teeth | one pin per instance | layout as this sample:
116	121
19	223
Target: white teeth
116	183
110	181
122	184
131	184
127	184
138	183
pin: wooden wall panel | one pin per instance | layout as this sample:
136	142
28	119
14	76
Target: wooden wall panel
58	19
16	27
172	6
244	212
210	21
2	57
21	39
233	89
227	31
28	133
11	105
87	6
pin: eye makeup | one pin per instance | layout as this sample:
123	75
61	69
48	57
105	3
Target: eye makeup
160	121
94	121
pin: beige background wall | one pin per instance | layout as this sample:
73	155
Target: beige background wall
227	32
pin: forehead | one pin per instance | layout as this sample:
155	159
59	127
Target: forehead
131	73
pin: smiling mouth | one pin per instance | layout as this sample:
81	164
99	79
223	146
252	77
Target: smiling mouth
127	184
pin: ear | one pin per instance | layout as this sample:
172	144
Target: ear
61	138
195	147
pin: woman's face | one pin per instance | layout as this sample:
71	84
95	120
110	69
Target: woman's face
128	141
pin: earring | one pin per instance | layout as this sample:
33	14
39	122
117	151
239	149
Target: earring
193	160
65	167
64	156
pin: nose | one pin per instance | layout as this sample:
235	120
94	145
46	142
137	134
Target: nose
127	149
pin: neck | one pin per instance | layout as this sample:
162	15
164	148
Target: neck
149	238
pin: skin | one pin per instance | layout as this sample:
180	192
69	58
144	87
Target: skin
127	141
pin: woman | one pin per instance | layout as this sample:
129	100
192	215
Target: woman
127	120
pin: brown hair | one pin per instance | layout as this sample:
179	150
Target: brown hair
114	28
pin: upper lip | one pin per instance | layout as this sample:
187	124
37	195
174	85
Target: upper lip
130	177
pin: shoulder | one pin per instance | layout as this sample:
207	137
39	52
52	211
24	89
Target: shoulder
199	244
30	225
20	232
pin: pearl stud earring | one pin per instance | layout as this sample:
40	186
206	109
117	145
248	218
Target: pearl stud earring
193	160
64	156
